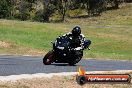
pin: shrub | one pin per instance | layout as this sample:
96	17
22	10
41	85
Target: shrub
5	8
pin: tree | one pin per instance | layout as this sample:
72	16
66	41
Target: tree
96	7
62	8
5	8
116	2
26	9
48	9
51	6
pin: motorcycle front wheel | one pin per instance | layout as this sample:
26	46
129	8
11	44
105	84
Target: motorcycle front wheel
74	61
49	58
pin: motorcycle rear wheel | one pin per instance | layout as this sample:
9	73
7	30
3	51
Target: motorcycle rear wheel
49	58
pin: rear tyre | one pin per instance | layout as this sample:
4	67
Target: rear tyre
49	58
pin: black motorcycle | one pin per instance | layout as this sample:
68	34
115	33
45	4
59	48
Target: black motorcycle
63	52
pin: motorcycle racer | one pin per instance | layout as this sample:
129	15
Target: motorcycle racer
67	48
78	39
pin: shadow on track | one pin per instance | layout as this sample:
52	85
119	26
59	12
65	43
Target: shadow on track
62	64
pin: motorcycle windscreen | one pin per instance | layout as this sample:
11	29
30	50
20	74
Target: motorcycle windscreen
63	42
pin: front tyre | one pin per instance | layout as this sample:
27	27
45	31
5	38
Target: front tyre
76	59
73	62
49	58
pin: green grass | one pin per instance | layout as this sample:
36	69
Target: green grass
111	34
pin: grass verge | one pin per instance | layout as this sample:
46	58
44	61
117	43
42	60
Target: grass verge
111	34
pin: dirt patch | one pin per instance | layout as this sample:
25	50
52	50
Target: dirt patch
4	44
11	48
35	52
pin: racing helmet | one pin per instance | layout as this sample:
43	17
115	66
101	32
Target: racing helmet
76	31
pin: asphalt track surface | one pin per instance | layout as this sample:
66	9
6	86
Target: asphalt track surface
16	65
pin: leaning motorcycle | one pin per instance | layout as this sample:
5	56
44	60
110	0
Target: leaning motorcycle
62	52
